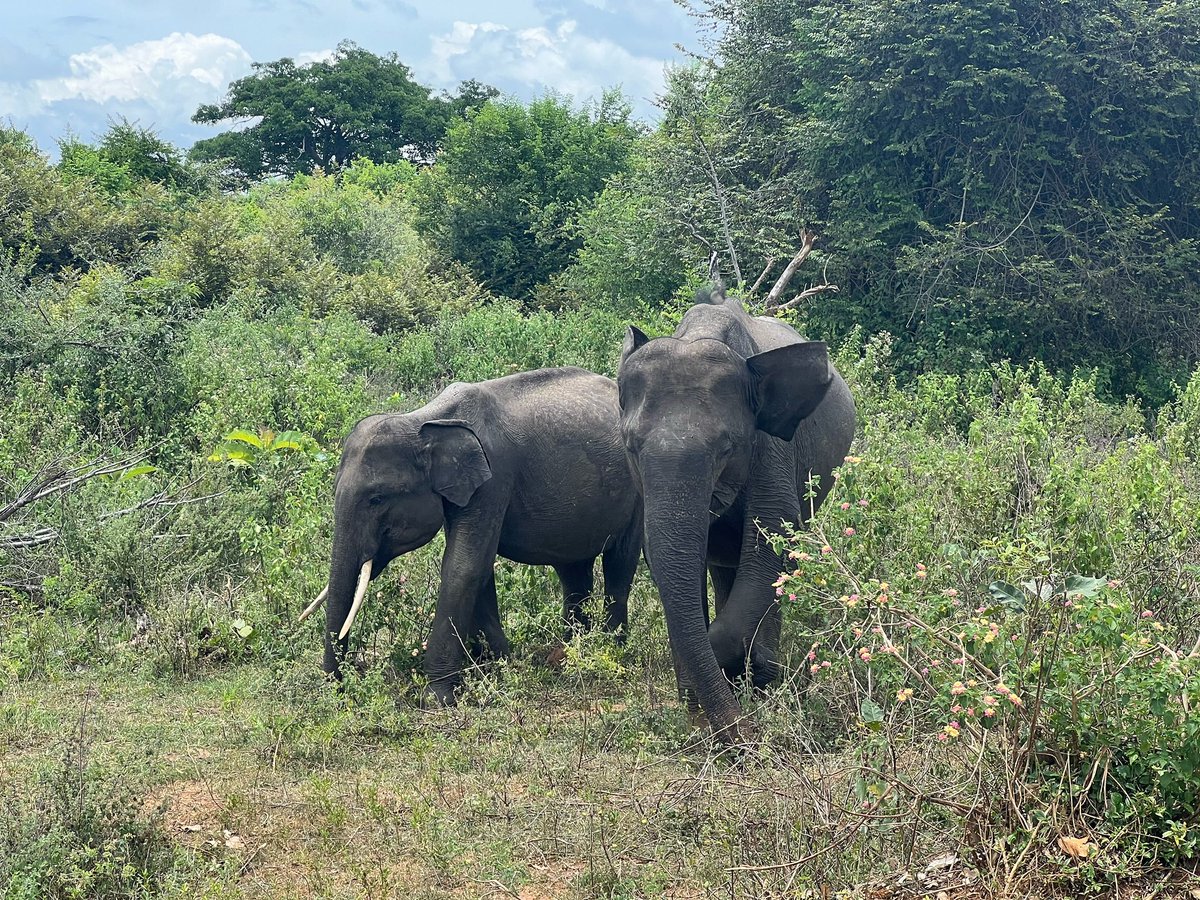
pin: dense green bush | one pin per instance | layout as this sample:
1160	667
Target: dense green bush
1009	563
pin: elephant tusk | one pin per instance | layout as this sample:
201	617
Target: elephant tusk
360	594
315	605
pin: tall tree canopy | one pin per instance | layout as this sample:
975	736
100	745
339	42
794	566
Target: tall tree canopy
1008	178
325	114
512	180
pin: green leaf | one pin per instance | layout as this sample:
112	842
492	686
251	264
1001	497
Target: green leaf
138	470
1009	595
246	437
1081	584
871	714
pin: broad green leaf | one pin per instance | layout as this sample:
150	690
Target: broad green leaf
246	437
138	470
871	714
1009	595
1082	584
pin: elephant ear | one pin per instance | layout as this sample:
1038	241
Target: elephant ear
789	383
457	463
634	338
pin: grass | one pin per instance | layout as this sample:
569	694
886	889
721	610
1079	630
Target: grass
589	782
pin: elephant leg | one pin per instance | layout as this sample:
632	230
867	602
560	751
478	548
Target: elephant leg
577	580
619	564
722	581
745	635
488	629
467	568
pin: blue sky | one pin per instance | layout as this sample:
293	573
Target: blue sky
73	65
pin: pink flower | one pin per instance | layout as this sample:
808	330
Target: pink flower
941	736
958	688
845	506
950	592
989	712
814	669
792	597
804	557
849	532
862	503
1146	614
970	711
956	709
825	664
922	574
778	592
920	567
826	549
812	654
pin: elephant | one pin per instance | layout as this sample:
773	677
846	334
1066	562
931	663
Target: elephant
529	466
724	422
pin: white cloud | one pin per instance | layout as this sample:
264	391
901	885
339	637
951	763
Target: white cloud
172	74
309	57
563	59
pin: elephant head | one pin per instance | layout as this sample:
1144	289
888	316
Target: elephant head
690	414
395	475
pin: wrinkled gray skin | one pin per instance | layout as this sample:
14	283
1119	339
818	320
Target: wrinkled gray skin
530	466
723	423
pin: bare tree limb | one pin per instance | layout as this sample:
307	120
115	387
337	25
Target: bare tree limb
34	538
805	294
807	241
722	201
763	277
53	480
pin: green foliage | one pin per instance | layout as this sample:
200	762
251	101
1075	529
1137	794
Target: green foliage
990	181
500	339
513	179
73	834
629	257
1009	562
328	113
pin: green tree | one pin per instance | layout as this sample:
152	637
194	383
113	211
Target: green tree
508	187
328	113
990	179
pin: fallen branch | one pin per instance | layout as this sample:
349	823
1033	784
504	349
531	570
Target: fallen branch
53	480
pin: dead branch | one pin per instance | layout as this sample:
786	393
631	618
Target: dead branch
34	538
807	241
805	294
714	178
763	277
53	480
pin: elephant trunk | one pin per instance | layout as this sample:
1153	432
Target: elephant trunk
347	585
676	527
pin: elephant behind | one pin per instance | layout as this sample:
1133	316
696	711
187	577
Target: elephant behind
529	466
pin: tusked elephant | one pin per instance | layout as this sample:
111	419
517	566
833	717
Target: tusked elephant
530	466
724	422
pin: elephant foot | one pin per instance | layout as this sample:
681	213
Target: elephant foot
437	694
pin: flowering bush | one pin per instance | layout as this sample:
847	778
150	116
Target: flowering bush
949	593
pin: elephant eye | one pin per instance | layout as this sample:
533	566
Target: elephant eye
376	501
